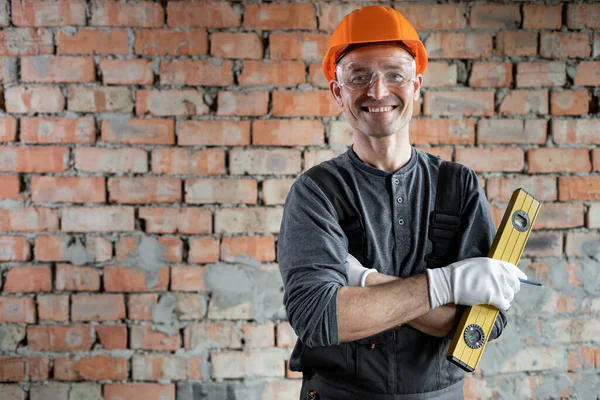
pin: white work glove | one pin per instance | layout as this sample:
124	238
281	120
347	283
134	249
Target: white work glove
357	274
475	281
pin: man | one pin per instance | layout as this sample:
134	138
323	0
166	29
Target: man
388	339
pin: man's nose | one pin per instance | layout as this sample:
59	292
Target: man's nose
378	88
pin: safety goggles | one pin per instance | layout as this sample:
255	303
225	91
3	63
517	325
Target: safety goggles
359	75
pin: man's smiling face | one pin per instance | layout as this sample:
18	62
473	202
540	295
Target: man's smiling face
384	105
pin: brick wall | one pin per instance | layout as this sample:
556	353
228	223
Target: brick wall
147	149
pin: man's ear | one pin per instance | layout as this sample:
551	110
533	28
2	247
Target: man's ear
336	92
417	85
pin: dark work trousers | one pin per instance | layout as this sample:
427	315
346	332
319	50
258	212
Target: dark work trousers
319	388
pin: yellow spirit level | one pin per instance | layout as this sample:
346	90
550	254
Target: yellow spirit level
476	324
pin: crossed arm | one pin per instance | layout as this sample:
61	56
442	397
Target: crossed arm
387	301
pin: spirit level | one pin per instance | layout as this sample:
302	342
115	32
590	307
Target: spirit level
476	324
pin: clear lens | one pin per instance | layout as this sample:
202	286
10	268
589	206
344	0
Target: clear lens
395	73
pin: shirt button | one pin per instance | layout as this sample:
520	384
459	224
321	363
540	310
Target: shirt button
399	200
396	181
401	221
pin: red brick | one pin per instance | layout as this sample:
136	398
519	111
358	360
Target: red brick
434	16
495	16
14	248
208	14
560	215
97	219
203	250
248	220
502	159
257	336
570	102
582	358
541	16
459	45
57	130
53	307
580	16
10	187
579	188
156	367
57	69
312	103
440	74
176	220
221	191
264	162
100	307
144	190
196	72
588	73
127	247
145	14
236	45
286	337
60	338
43	99
17	310
225	335
28	280
438	131
53	248
187	279
516	43
280	16
459	103
330	14
501	189
25	41
170	102
250	104
213	133
71	189
301	45
23	368
126	279
112	337
139	131
509	131
4	14
187	161
523	102
444	152
99	99
543	73
139	391
490	74
89	368
8	69
596	159
545	160
565	45
77	278
8	129
580	244
94	41
167	42
277	132
29	219
94	159
39	13
261	248
272	73
544	244
143	337
595	52
126	72
140	306
593	216
314	157
274	191
316	77
580	131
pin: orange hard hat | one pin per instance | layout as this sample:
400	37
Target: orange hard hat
373	24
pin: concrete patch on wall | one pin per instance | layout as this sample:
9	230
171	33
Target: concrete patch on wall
220	390
78	254
148	257
164	314
244	290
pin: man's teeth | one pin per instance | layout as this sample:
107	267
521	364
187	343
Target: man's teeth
380	109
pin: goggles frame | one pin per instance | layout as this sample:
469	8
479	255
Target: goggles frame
340	68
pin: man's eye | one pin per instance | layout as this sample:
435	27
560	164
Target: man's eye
396	77
359	79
